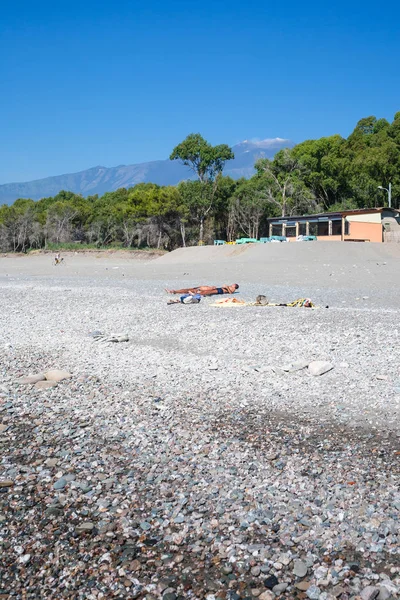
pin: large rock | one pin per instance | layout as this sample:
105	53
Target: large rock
299	568
31	379
6	483
267	595
45	385
369	593
57	375
319	367
298	365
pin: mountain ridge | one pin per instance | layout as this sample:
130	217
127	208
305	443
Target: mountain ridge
100	179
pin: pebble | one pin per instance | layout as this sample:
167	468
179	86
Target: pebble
271	582
299	568
313	592
266	596
157	491
60	484
369	593
30	379
57	375
319	367
281	587
83	527
302	585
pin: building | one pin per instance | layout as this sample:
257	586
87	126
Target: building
363	225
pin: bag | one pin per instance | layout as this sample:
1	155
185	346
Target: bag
189	299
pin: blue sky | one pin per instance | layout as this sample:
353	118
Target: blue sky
108	83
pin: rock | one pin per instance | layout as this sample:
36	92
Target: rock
319	367
53	511
45	385
85	527
135	565
303	585
255	571
32	378
6	483
281	587
384	593
145	526
296	366
51	462
179	519
227	569
169	596
60	484
3	427
299	568
24	559
57	375
369	593
313	592
266	596
387	590
270	582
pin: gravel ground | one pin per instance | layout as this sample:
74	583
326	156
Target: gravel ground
189	462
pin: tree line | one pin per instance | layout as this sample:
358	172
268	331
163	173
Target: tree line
328	174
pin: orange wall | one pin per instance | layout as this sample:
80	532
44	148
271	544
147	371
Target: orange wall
365	231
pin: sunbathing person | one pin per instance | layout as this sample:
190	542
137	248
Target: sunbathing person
207	290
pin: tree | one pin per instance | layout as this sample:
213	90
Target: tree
207	162
204	160
284	185
247	208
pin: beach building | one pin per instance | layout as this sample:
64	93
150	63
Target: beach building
363	225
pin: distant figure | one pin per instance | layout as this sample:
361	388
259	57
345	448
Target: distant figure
57	259
207	290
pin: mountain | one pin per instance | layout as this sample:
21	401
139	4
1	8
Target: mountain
99	180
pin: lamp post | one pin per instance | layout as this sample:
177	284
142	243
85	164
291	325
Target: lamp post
389	191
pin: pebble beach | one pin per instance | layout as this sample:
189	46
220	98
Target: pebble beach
208	453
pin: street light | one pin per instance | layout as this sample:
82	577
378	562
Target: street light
389	191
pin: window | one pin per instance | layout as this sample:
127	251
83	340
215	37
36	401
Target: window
276	230
346	227
323	228
290	230
302	228
337	227
313	229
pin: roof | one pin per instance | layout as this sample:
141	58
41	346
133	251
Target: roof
335	215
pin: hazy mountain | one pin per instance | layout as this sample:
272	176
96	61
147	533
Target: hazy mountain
99	180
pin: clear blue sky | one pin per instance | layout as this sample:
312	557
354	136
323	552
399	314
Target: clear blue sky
106	83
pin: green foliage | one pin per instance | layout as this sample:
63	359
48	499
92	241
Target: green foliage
331	174
205	160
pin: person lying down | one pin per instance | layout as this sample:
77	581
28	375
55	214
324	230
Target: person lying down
207	290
